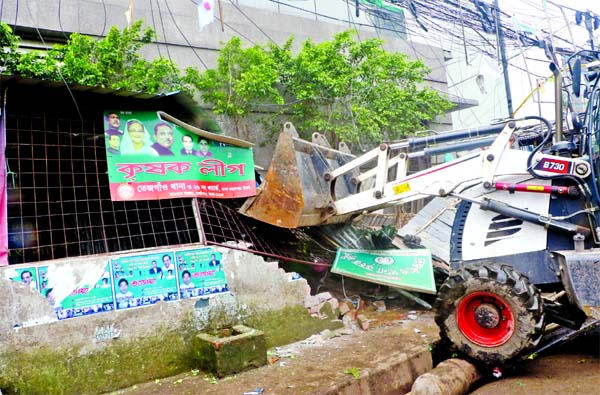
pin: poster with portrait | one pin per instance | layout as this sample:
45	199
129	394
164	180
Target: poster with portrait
149	156
142	280
92	294
23	275
200	273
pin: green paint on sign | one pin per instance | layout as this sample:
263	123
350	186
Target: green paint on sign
407	269
149	158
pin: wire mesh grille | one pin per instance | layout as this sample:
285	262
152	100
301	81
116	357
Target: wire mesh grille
223	225
59	199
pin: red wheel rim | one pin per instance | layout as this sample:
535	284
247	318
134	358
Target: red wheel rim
472	328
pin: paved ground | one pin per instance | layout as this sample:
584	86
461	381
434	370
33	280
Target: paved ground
314	366
323	363
572	369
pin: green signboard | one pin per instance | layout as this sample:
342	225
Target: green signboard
150	158
407	269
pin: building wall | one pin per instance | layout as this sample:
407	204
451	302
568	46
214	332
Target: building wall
106	351
180	39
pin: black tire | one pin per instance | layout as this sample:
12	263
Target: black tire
512	290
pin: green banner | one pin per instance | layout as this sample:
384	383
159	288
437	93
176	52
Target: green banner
407	269
90	297
25	275
143	280
126	282
149	158
200	273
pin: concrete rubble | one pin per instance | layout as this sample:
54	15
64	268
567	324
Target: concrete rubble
320	304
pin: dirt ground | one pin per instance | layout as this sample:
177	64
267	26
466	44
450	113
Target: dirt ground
318	362
573	368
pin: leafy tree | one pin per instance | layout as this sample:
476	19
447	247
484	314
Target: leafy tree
243	79
349	90
8	43
352	91
113	61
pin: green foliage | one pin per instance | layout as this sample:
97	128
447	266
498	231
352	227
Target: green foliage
243	79
113	62
352	91
9	43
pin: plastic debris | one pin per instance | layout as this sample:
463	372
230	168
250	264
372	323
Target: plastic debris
255	391
417	330
497	373
354	372
210	379
379	306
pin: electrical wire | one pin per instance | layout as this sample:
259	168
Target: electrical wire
154	27
252	22
16	16
163	29
105	18
183	35
60	21
58	68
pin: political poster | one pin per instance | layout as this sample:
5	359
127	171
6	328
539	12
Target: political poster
142	280
407	269
150	157
24	275
91	295
200	273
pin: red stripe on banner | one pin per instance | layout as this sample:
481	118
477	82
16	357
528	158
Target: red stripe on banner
181	189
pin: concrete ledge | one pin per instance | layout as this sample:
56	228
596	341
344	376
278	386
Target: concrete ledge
394	376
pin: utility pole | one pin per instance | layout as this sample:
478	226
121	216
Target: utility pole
502	48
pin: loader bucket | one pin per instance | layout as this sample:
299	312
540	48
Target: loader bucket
295	193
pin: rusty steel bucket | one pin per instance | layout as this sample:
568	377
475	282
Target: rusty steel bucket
295	192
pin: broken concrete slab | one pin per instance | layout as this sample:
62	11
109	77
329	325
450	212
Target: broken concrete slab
379	306
334	304
345	307
311	301
324	296
363	322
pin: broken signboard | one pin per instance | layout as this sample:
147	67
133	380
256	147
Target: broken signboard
405	269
